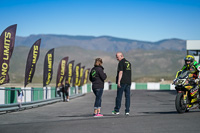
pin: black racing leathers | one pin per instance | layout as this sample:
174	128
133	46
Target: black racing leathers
97	77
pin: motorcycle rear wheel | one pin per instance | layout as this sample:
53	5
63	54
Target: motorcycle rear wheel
179	103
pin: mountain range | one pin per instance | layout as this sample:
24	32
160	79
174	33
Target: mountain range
103	43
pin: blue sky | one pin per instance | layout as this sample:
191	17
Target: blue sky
147	20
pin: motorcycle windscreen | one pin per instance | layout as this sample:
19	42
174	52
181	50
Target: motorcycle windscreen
184	75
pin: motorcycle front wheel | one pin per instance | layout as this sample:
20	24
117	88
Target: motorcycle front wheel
179	103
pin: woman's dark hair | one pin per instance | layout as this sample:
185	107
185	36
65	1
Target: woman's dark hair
98	62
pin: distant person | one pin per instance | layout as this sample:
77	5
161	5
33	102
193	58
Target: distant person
58	89
19	97
110	85
123	81
61	89
97	77
66	90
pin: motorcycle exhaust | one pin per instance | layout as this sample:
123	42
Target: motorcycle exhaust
194	106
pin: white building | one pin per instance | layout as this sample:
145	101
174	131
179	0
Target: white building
193	48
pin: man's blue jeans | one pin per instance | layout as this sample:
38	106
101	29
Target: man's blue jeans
124	88
98	93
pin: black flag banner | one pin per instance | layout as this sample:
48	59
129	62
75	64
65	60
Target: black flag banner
76	74
69	72
81	75
31	62
84	78
61	71
48	67
7	41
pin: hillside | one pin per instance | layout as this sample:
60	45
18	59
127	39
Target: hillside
103	43
148	65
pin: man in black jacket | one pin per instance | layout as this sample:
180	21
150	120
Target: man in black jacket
97	77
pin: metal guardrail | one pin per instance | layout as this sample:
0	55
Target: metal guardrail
22	106
4	108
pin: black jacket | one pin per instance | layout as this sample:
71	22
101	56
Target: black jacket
97	77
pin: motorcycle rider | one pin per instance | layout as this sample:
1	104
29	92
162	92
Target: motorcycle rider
194	67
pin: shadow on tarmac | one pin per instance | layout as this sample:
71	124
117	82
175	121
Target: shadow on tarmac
169	112
83	115
91	116
88	115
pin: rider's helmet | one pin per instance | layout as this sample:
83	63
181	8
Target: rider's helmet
189	58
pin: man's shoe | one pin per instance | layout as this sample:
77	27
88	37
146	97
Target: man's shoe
115	113
127	114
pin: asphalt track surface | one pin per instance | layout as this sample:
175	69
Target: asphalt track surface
151	112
